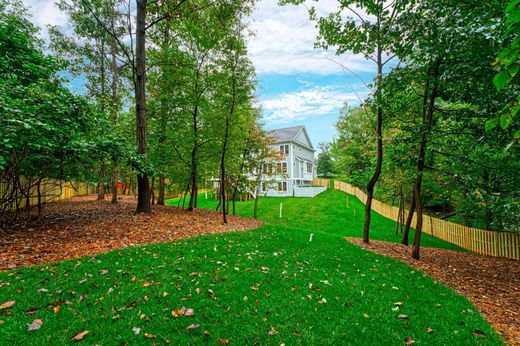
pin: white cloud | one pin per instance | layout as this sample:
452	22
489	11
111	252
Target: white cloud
285	37
45	12
304	104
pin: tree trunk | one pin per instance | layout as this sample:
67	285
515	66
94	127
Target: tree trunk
143	184
258	189
152	190
192	204
409	218
101	191
379	160
115	103
427	125
223	174
162	186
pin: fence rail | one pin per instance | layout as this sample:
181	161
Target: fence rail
491	243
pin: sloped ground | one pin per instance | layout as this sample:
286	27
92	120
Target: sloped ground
491	284
83	226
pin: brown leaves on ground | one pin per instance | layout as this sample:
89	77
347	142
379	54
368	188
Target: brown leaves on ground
80	335
490	283
82	226
7	305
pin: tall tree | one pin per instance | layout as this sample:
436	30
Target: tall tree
364	27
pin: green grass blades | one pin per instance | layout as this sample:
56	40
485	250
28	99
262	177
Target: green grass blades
268	286
326	212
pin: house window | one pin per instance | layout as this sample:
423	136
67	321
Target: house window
281	167
268	168
284	149
282	186
309	167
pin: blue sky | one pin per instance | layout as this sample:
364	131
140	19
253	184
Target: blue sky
297	84
300	85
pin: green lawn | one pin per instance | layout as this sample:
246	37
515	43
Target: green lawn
326	213
267	286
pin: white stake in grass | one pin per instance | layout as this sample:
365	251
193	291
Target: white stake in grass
281	206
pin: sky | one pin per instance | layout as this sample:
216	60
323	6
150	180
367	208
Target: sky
297	84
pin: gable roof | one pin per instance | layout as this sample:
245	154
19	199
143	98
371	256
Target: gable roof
288	134
285	134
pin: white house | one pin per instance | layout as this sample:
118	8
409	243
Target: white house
295	171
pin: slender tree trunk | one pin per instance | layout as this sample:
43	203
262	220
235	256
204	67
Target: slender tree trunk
427	124
152	190
379	160
409	218
143	184
101	184
39	192
258	189
115	103
192	204
162	186
223	172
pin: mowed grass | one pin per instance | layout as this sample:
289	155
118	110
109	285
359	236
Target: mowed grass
326	213
269	286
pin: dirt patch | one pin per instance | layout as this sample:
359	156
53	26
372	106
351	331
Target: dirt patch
491	284
82	226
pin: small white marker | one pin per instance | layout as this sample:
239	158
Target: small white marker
281	206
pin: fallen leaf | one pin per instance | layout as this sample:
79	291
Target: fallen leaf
37	324
189	312
56	309
150	336
479	333
177	312
165	294
193	326
429	330
223	341
7	305
116	317
136	330
366	315
409	341
323	301
80	335
402	316
211	293
272	331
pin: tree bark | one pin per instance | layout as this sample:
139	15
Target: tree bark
115	103
427	125
379	160
409	218
162	186
192	204
258	189
143	184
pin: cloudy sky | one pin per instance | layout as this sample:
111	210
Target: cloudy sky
297	83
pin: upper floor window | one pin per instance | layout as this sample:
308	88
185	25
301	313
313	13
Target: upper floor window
309	167
284	149
282	167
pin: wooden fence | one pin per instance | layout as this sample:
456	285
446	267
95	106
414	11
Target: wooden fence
50	190
492	243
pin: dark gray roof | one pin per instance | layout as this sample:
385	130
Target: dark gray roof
286	134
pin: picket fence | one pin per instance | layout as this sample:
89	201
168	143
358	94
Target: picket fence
491	243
